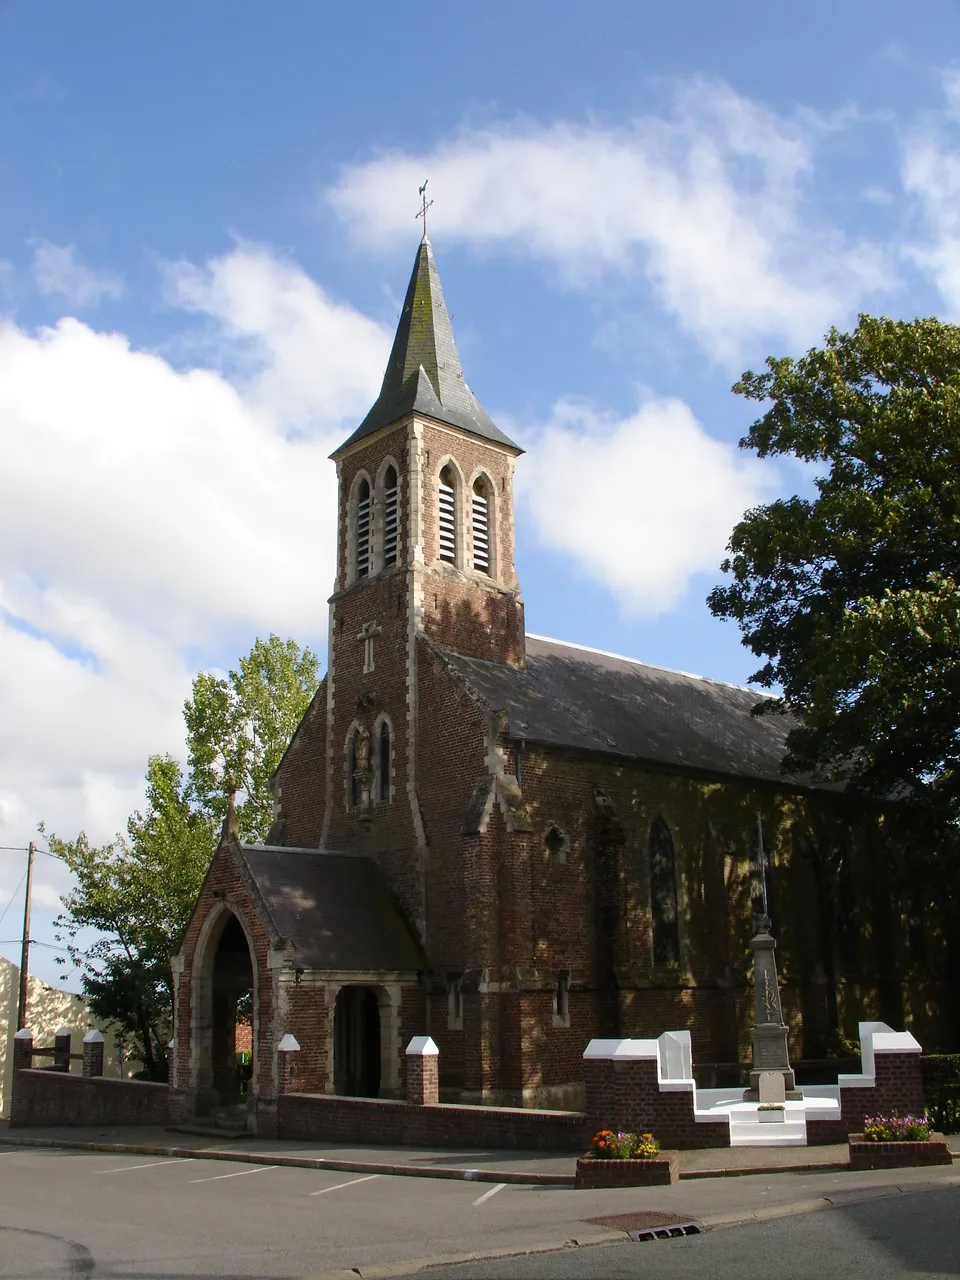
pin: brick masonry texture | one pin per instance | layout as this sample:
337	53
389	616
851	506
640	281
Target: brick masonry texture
52	1098
898	1155
335	1119
626	1096
597	1175
898	1088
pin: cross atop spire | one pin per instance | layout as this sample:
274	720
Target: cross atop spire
424	206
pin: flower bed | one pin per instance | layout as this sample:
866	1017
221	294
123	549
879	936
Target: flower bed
597	1175
896	1142
626	1160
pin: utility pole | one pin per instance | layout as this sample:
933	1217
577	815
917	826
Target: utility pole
25	949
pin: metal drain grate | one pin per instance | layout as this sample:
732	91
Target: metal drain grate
649	1225
666	1233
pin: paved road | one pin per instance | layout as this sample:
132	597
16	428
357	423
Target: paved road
103	1215
916	1235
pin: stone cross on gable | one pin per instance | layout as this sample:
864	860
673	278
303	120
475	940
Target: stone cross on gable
367	632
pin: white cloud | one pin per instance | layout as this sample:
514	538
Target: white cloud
309	359
640	504
149	514
59	269
931	174
708	202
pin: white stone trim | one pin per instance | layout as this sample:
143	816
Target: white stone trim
422	1047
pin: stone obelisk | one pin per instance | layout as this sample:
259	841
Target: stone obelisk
770	1056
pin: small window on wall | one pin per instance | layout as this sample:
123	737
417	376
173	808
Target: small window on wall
561	1000
663	896
363	529
390	521
447	501
557	844
384	761
455	1002
481	526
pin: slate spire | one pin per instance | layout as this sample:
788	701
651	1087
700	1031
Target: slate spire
423	373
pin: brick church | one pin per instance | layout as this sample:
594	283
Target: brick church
510	843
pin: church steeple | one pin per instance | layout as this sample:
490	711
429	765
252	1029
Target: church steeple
424	374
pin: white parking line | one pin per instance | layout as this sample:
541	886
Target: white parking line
154	1164
263	1168
487	1194
340	1185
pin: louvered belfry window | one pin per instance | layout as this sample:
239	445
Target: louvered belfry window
481	527
363	529
448	516
390	517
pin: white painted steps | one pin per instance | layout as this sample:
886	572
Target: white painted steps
751	1127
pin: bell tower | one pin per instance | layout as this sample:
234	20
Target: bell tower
425	549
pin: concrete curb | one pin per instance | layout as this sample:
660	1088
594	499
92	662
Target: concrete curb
298	1162
737	1172
509	1176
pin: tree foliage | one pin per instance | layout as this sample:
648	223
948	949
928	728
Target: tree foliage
238	728
135	894
851	595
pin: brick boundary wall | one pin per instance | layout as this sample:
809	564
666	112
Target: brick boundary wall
328	1118
898	1087
627	1096
52	1098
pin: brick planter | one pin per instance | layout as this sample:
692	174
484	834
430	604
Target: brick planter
896	1155
596	1175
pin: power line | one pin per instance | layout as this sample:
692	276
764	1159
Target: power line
10	903
4	942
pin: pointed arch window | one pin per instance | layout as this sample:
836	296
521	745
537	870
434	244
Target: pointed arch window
447	502
353	781
384	761
390	516
481	511
663	895
363	528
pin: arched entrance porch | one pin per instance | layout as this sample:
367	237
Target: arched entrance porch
225	994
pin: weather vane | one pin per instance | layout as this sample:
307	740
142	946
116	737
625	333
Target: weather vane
424	206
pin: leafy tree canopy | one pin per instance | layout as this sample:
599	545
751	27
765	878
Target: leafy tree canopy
238	728
851	596
135	895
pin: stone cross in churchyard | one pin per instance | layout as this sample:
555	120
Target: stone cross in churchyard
770	1056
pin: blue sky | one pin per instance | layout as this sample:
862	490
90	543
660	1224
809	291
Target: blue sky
206	227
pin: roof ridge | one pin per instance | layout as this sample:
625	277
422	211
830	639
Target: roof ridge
654	666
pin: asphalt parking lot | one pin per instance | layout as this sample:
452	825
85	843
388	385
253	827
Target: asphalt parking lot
99	1214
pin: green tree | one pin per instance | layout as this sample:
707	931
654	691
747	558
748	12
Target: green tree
851	595
137	893
238	728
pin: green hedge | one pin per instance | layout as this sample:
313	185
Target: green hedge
941	1090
